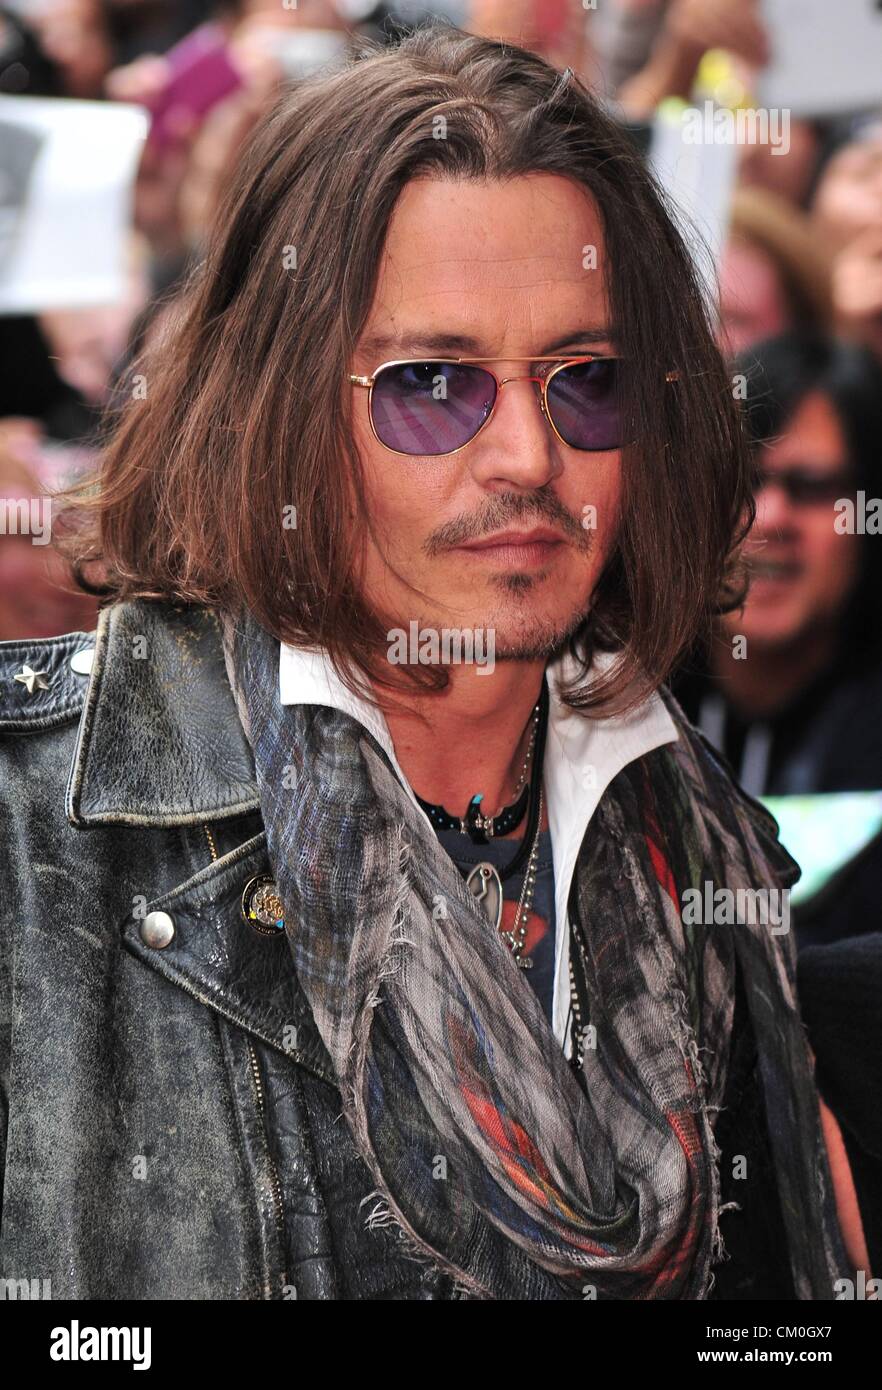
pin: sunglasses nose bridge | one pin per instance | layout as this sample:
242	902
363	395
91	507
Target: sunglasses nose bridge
537	380
506	379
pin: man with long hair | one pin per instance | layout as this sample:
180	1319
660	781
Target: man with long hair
375	923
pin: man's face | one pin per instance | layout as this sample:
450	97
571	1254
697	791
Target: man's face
802	569
501	266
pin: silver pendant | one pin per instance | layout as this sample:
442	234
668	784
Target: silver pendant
485	886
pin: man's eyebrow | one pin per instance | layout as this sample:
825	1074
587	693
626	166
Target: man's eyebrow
462	345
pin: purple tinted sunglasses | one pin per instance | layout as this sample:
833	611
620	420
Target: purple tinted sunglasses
438	405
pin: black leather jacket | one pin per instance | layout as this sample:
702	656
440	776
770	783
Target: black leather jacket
170	1126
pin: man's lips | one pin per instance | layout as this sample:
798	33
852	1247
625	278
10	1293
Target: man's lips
517	547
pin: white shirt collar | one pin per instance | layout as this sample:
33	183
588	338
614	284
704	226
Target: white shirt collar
582	756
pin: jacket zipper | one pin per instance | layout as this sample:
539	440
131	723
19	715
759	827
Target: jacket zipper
275	1185
211	845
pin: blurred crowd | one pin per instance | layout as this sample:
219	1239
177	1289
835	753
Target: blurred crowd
789	687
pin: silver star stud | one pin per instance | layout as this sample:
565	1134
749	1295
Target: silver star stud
33	680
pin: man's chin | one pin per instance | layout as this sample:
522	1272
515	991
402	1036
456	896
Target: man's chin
543	638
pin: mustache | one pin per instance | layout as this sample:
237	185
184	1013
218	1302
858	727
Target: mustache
505	507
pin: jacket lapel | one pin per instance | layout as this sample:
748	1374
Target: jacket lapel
247	977
160	744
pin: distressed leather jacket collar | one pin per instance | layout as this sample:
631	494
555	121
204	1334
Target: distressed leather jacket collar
158	683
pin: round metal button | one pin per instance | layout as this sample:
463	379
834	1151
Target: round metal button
157	930
262	907
81	661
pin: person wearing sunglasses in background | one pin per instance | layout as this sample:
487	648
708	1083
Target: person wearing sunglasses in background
793	705
346	864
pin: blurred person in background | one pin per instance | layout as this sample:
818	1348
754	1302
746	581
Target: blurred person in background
153	26
761	165
651	49
773	275
793	707
240	55
846	205
25	66
59	365
37	594
87	343
557	29
73	35
32	387
210	163
840	986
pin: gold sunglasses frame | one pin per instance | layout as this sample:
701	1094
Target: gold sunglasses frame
543	381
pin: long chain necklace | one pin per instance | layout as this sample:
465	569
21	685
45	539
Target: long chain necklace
530	745
485	881
517	937
579	1028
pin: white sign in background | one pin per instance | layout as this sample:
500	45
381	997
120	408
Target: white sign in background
826	56
699	179
67	171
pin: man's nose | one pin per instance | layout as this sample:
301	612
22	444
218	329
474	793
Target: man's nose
517	446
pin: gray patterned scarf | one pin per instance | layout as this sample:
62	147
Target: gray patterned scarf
489	1156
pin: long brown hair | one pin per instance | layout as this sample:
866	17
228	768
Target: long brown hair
244	416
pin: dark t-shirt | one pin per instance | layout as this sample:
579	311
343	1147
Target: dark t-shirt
539	945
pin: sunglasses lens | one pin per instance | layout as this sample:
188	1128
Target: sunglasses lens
425	408
583	401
